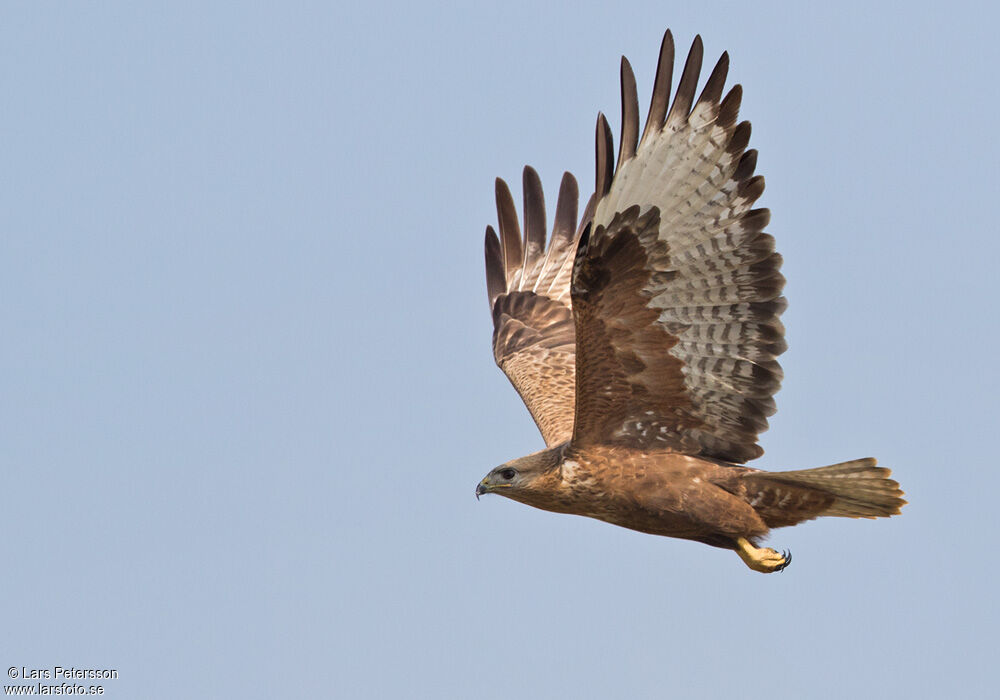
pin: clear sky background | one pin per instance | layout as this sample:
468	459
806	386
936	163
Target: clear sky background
247	386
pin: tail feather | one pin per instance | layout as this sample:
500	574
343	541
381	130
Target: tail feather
859	488
856	489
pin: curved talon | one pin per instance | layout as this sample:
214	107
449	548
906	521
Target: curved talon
787	556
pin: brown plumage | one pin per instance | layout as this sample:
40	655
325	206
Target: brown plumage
644	341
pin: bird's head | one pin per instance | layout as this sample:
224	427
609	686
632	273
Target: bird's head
524	479
504	477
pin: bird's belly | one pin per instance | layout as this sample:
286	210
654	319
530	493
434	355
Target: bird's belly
660	522
659	503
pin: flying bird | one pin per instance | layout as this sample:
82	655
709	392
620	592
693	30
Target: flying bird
644	340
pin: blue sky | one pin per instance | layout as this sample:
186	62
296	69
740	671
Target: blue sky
248	389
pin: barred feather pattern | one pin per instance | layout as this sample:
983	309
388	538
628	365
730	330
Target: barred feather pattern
528	285
630	390
711	273
855	489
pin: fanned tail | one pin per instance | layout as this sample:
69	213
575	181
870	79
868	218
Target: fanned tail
855	489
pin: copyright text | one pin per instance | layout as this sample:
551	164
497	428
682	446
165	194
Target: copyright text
63	677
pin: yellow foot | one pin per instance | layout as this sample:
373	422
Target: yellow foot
762	559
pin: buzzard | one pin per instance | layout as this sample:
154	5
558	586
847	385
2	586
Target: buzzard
644	341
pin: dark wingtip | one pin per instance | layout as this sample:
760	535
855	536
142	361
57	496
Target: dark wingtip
684	98
605	153
630	114
729	110
510	230
534	215
661	87
566	206
496	280
712	92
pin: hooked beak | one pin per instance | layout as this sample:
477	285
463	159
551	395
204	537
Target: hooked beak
481	489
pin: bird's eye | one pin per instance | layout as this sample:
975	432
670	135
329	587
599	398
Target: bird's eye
508	474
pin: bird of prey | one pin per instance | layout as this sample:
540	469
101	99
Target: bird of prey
644	341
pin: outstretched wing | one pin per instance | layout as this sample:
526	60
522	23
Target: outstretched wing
676	289
528	285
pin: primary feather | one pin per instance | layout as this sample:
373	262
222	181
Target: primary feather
644	341
705	280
